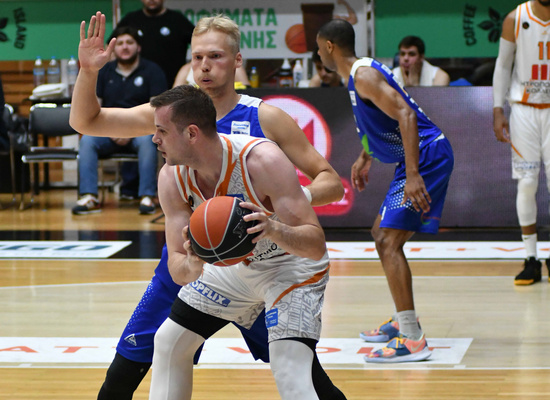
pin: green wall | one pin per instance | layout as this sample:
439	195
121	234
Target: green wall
455	28
44	28
29	28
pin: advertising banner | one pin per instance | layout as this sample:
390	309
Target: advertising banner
282	28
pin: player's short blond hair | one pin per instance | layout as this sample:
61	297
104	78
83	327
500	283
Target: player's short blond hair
220	23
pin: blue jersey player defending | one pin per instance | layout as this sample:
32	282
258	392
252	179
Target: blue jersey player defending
216	55
392	129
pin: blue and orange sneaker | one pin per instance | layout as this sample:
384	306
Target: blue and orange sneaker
384	333
401	349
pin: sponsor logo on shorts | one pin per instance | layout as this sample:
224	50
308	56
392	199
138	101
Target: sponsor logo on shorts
210	294
272	318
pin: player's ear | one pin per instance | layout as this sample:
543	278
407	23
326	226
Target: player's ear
238	60
193	131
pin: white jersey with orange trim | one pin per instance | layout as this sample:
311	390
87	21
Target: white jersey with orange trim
290	288
234	181
531	74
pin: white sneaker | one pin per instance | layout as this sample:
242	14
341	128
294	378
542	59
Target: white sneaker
146	205
87	204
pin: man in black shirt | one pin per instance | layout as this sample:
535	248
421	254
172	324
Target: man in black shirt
165	35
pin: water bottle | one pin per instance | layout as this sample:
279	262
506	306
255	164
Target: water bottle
38	72
254	78
285	75
72	72
54	72
297	73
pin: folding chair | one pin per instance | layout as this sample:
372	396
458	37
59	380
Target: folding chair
50	121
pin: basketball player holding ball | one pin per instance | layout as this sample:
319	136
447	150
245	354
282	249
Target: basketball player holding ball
215	57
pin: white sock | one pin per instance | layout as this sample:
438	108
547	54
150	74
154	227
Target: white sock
408	324
530	243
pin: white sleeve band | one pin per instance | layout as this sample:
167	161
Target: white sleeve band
307	193
503	71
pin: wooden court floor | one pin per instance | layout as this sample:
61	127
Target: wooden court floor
508	358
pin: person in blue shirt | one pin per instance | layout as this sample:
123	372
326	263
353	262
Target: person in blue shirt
127	81
393	129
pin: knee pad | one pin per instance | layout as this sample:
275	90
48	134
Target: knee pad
122	379
526	203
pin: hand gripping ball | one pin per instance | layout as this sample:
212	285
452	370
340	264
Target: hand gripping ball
217	231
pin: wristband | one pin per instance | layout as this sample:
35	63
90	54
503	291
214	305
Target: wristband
307	192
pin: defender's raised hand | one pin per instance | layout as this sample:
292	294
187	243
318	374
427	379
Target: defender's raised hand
92	54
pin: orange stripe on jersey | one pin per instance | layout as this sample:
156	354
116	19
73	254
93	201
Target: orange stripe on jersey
182	185
525	96
541	106
533	18
315	278
518	18
223	187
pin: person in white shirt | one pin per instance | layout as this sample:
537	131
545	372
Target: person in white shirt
413	69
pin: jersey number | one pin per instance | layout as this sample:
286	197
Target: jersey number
540	71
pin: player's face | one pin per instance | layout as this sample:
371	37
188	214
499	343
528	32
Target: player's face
213	61
170	140
126	49
408	57
326	58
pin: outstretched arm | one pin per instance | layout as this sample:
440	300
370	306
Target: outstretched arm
87	117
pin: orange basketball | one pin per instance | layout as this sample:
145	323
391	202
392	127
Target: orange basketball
295	38
217	231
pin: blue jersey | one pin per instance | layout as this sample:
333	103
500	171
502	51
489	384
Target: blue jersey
380	134
243	119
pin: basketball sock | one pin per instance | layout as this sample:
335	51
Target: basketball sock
408	324
530	243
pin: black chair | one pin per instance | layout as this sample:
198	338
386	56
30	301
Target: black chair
48	120
8	123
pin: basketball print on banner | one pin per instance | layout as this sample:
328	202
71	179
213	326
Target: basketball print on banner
218	232
295	39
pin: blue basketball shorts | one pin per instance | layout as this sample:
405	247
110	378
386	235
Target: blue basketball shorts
137	340
436	163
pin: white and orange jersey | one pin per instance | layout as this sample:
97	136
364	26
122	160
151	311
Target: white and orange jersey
531	75
234	181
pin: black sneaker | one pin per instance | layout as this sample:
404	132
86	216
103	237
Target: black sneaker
87	204
531	272
146	206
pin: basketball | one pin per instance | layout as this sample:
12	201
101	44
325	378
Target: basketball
217	231
295	38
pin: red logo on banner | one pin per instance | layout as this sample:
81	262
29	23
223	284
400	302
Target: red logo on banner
316	129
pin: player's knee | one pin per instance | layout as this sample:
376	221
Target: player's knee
527	186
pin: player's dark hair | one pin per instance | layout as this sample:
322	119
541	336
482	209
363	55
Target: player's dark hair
190	105
341	33
409	41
